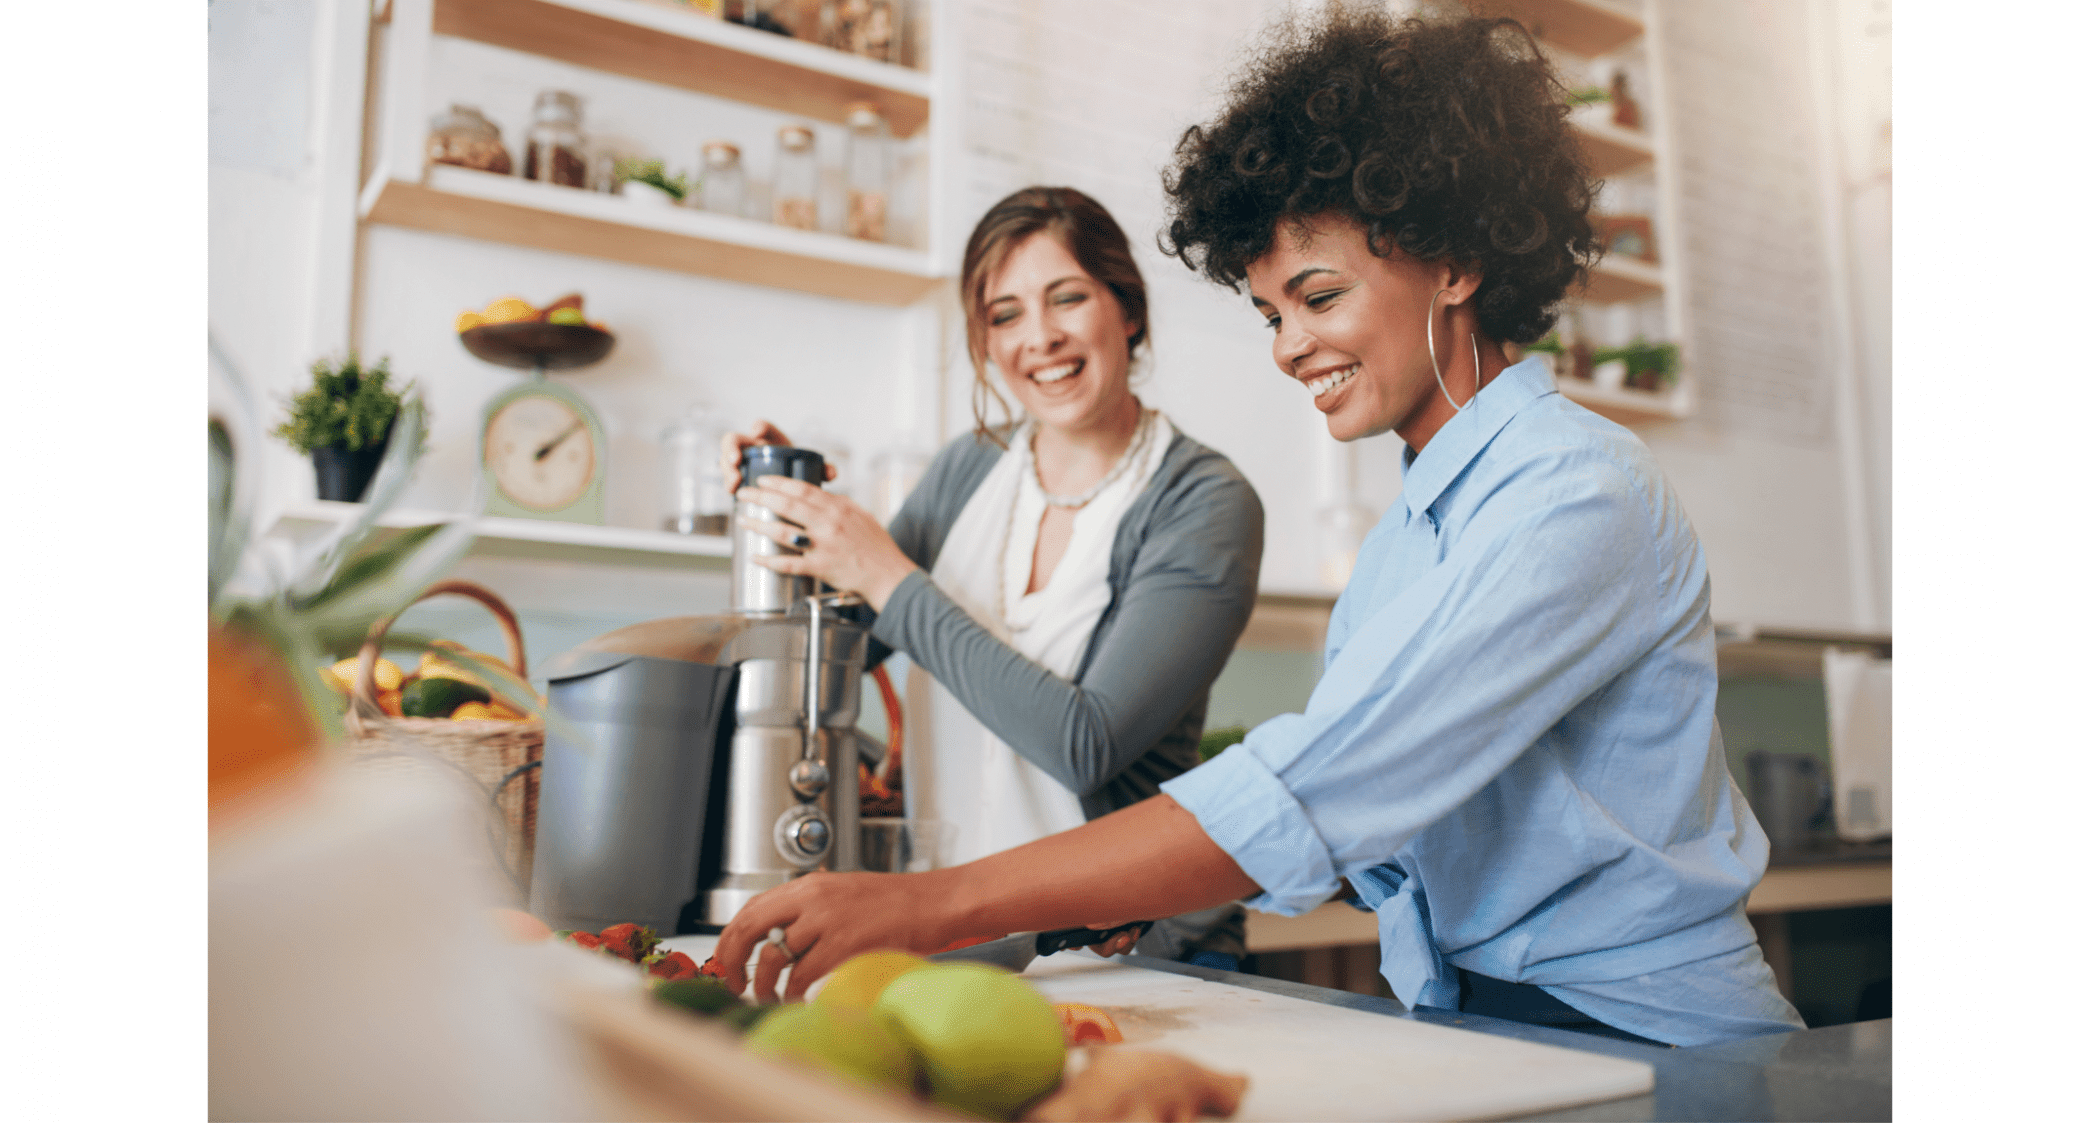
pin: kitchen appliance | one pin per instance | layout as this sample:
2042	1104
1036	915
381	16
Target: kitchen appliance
701	760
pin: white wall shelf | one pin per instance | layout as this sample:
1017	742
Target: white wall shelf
1584	27
669	46
1617	277
1631	408
523	212
537	539
1613	149
679	47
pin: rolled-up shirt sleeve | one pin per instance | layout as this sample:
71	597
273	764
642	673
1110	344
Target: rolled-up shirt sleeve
1546	597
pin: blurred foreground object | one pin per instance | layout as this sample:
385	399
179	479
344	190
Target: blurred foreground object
354	977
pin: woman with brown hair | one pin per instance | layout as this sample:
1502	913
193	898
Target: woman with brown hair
1067	584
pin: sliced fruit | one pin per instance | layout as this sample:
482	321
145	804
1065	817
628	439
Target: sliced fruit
438	697
573	300
467	320
565	316
509	310
989	1042
1084	1024
859	981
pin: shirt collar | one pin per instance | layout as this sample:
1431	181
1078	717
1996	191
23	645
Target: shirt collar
1429	471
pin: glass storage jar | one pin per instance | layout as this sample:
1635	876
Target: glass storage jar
462	137
721	178
868	28
554	148
795	178
696	496
867	173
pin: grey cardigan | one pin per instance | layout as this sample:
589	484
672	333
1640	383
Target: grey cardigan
1182	574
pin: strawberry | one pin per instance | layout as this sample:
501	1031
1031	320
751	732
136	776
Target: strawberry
673	965
712	969
584	940
628	941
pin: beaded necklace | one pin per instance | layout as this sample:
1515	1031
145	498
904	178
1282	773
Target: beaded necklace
1140	441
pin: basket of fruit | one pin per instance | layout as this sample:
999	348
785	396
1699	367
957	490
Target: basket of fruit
445	711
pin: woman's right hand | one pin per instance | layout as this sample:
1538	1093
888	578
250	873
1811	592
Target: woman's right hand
762	432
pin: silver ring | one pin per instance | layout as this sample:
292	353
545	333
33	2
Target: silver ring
778	937
800	542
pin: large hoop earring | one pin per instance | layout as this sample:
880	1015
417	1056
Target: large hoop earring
1431	332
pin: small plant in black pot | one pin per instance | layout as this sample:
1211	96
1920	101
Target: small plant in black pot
343	421
1649	366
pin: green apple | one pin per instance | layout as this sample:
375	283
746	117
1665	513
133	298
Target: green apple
859	1045
989	1042
565	316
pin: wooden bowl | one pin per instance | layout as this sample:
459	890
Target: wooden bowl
527	344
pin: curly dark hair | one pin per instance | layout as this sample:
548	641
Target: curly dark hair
1445	140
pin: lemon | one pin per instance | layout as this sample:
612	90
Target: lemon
989	1042
467	320
859	981
473	711
386	674
508	310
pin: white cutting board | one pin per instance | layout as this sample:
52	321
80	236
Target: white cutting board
1311	1061
1307	1060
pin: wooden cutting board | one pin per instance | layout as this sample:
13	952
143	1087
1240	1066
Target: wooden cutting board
1306	1060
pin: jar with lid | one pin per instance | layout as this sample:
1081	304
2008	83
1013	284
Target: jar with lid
795	178
867	173
721	178
868	28
554	148
463	138
696	496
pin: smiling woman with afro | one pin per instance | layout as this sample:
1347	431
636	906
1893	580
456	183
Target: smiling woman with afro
1447	142
1511	755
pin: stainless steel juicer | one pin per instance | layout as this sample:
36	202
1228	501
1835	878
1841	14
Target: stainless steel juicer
722	751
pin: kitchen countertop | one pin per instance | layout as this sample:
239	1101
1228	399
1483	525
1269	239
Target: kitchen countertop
1834	1073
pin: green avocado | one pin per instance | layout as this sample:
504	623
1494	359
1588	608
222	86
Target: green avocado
438	697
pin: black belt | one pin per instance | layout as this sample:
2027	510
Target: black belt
1490	997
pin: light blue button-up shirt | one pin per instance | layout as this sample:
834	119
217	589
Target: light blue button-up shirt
1512	754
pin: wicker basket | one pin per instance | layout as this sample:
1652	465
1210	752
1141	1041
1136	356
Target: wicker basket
501	757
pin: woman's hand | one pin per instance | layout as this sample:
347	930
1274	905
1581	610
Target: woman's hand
826	919
839	543
762	432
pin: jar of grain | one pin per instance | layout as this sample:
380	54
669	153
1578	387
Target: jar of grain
463	138
554	148
867	173
795	178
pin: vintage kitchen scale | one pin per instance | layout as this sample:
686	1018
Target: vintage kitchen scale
542	446
722	755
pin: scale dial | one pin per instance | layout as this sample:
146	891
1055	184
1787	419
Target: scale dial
540	452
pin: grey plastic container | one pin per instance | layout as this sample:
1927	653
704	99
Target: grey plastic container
621	821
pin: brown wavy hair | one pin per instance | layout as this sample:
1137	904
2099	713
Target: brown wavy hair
1445	140
1085	229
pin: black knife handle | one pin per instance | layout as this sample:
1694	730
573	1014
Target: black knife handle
1069	938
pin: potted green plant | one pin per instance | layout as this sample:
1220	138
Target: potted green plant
343	421
1649	366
